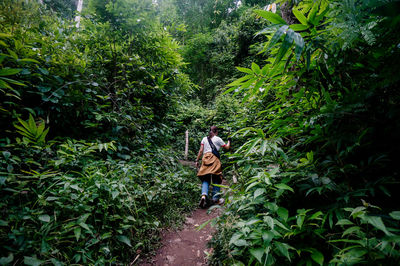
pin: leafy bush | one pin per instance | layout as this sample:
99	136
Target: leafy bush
79	208
313	148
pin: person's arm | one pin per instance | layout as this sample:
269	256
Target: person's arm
228	145
199	155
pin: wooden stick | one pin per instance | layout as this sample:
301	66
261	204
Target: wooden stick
187	144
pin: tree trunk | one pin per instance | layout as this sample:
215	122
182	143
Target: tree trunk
286	12
79	9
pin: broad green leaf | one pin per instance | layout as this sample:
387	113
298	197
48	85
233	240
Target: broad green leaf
251	148
56	262
313	12
300	16
259	192
270	222
351	230
284	186
5	35
240	243
317	256
29	60
124	239
245	70
239	81
358	211
344	222
4	84
9	71
256	69
298	27
7	260
44	218
286	44
377	223
395	215
43	71
86	227
235	237
15	82
299	42
32	261
264	146
283	248
272	17
6	154
77	233
283	213
277	36
257	253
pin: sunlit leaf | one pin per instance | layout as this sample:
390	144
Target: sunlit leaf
272	17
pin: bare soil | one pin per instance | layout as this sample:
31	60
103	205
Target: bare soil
189	245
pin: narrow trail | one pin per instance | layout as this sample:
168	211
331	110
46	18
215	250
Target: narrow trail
188	245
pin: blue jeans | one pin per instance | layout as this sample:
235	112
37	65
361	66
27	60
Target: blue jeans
215	190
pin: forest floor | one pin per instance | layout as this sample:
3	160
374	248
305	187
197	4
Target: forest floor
188	245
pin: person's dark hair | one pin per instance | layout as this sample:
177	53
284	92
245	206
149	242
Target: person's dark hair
213	131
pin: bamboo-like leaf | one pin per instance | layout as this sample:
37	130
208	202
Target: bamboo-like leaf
264	146
239	81
245	70
265	70
32	125
299	42
284	187
13	81
300	16
4	84
256	69
298	27
351	230
9	71
229	90
313	12
272	17
277	36
287	43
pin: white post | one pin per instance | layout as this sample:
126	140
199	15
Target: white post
187	144
79	9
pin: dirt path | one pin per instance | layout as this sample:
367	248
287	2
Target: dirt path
187	246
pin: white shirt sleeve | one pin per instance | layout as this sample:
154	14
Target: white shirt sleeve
220	143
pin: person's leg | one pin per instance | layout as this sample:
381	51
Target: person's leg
215	190
204	193
204	188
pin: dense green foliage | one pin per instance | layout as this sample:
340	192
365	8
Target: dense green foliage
92	121
86	175
318	176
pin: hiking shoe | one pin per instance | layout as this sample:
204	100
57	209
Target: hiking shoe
219	201
202	203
